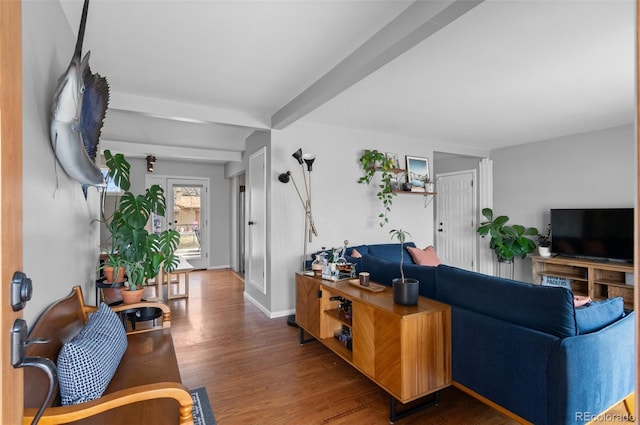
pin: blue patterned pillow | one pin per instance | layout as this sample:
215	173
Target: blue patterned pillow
87	363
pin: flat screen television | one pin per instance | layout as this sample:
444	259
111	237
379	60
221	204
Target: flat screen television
593	233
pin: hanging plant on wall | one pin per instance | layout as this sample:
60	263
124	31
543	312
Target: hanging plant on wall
374	162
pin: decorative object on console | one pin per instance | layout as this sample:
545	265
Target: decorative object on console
373	161
506	241
544	242
405	290
141	253
309	225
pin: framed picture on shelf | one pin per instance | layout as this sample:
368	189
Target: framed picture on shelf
394	158
417	172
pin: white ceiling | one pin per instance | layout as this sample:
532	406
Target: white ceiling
193	79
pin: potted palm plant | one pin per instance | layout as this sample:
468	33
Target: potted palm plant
405	290
140	252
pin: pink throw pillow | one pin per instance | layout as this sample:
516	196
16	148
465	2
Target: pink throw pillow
355	253
424	257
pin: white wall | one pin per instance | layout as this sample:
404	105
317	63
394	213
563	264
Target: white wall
60	231
342	208
596	169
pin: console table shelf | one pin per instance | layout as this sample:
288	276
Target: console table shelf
596	279
338	314
406	350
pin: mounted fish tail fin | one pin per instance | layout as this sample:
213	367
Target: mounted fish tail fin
94	109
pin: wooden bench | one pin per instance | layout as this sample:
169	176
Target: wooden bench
146	387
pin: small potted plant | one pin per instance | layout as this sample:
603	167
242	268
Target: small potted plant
141	253
405	290
373	161
544	242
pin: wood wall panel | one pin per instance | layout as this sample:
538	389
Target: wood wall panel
363	332
11	400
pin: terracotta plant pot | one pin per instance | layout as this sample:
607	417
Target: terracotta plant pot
131	297
109	274
405	293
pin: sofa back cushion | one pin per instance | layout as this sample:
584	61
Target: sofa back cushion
391	252
599	314
384	271
544	308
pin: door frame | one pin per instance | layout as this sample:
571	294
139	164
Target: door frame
205	202
11	237
249	217
474	203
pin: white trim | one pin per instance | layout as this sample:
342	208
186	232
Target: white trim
474	206
269	314
261	152
485	195
205	201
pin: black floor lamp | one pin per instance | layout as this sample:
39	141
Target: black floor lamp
309	225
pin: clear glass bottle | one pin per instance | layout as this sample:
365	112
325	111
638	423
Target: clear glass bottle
318	263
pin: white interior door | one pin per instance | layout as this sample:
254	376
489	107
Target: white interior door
256	246
456	219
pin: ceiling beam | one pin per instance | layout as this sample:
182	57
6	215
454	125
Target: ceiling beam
418	22
175	153
187	112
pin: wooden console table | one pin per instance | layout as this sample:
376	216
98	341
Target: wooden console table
406	350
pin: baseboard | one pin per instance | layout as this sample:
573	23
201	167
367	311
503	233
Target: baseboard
283	313
218	267
269	314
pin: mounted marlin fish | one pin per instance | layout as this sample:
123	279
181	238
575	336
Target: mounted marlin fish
77	114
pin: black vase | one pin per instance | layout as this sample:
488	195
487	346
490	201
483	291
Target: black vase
405	293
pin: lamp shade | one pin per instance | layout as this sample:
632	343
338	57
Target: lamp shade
309	158
284	177
298	156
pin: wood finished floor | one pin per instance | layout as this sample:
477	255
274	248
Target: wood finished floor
257	373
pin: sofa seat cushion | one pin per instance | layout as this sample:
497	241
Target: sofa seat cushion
599	314
391	252
547	309
87	363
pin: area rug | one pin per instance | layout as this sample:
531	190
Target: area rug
202	412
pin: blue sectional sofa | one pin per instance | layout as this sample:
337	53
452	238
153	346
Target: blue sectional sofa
524	347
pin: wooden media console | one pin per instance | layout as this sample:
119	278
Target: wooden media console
406	350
